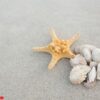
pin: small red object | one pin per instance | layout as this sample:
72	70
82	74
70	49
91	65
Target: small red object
1	97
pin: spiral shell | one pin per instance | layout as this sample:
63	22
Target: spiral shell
89	84
92	75
91	79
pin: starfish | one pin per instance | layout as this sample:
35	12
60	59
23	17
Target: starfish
58	48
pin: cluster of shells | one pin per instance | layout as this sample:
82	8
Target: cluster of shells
85	66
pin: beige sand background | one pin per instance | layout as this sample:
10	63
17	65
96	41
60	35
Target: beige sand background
25	24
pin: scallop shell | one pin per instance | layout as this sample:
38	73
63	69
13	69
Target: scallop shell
86	52
98	72
79	74
78	49
78	59
96	55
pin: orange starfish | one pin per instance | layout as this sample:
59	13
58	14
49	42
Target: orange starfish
58	48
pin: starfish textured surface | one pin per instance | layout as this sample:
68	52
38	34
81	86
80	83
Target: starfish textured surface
58	48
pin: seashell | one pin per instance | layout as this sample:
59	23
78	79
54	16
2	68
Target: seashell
79	74
91	78
86	52
92	75
98	72
78	59
89	85
96	55
93	64
78	49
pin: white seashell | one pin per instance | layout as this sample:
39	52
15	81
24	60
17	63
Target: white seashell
78	49
98	72
86	52
78	59
79	73
92	75
89	85
91	47
91	78
96	55
93	64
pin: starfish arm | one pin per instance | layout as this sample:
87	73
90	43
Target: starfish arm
53	62
69	54
73	39
41	49
53	35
